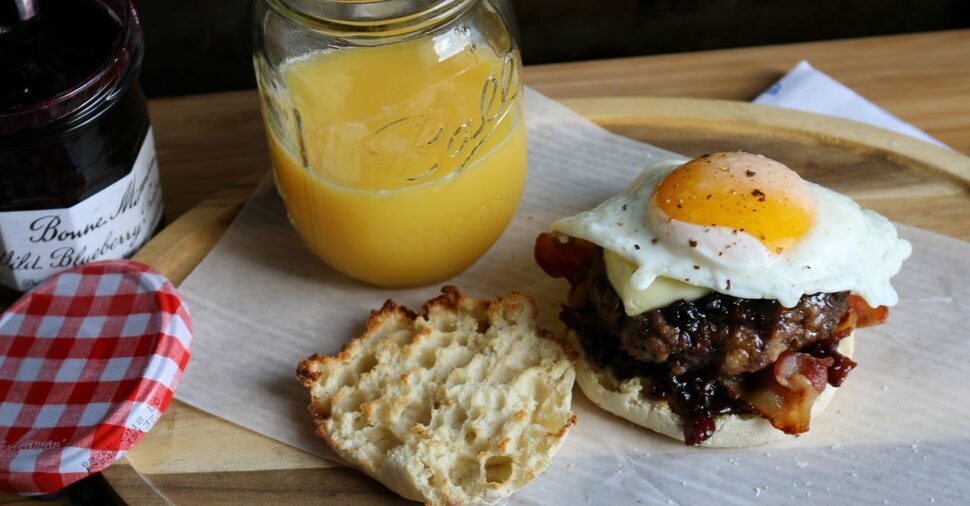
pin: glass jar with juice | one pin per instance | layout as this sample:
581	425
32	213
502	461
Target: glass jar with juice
395	129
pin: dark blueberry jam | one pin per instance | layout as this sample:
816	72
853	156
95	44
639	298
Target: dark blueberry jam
54	51
72	115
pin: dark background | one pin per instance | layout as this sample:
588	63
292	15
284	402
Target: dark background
199	46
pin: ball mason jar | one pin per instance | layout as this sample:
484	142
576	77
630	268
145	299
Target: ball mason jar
395	130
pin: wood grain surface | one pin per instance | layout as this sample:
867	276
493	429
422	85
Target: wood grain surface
194	457
215	143
207	143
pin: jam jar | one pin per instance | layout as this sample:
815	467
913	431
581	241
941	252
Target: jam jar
395	129
78	174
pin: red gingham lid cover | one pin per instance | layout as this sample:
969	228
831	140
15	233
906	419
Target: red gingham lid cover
88	362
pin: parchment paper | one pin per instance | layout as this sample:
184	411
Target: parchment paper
897	433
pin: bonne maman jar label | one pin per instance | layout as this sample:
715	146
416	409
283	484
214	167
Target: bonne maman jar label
111	224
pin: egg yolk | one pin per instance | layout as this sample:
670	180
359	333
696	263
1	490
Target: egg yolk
748	193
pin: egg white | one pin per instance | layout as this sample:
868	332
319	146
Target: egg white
847	248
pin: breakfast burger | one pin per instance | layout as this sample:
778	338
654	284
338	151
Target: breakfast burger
714	301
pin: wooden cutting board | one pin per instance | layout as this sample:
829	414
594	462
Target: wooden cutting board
193	457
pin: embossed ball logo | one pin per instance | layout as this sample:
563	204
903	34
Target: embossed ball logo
425	147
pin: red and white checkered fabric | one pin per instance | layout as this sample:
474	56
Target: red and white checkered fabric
88	361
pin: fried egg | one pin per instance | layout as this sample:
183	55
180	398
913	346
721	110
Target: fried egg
743	225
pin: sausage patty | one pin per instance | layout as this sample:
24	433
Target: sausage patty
716	332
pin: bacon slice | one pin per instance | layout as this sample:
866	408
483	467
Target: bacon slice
784	394
791	367
866	316
564	256
841	366
860	315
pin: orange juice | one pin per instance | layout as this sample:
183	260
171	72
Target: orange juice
408	159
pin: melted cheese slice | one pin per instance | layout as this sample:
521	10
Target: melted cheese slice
660	293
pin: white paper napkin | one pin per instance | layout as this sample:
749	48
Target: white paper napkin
807	89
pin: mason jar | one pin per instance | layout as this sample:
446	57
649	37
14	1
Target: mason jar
395	129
